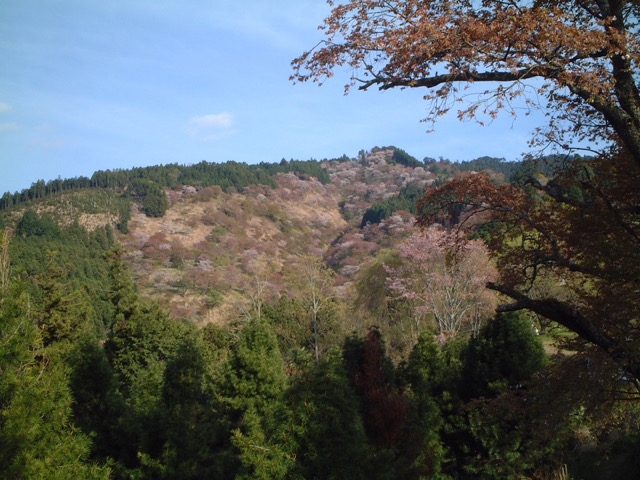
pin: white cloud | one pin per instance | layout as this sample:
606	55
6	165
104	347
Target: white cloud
47	143
210	127
5	107
8	127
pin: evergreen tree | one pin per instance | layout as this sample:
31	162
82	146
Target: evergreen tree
140	342
255	373
322	430
190	425
253	387
491	433
38	439
426	377
506	353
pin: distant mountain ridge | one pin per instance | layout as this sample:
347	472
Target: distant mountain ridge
194	236
202	174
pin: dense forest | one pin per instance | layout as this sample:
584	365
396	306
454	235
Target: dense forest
386	379
226	175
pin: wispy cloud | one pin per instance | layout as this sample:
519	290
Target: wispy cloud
5	107
47	143
46	137
8	127
210	127
283	26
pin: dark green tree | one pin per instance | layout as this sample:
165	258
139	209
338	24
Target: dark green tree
505	354
155	204
154	200
191	425
32	224
140	341
253	387
65	312
38	438
429	393
322	430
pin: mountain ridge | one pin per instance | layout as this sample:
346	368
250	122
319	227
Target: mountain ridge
197	253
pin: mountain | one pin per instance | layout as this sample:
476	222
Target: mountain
197	253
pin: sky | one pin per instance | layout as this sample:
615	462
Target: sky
93	85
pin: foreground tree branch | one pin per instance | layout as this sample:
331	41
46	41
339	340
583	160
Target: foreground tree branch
557	311
578	60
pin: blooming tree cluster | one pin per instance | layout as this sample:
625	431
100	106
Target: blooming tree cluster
443	276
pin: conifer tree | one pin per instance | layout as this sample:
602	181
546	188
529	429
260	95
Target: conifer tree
253	388
505	354
322	428
38	439
425	373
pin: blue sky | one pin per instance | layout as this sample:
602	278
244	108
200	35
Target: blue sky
88	85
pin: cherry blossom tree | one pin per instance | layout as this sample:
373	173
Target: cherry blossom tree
444	275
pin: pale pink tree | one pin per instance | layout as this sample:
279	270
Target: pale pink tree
443	276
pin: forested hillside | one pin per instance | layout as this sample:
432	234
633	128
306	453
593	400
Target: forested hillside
289	320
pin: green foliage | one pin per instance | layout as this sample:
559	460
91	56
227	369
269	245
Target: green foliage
40	189
38	438
95	381
154	200
498	165
97	402
399	156
403	158
76	258
253	386
64	313
226	175
303	169
372	291
140	343
499	451
505	354
288	318
405	200
124	215
191	426
549	166
322	429
426	377
148	181
259	457
155	205
255	372
376	213
33	225
377	304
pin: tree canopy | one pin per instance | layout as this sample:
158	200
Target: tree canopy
574	59
578	230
